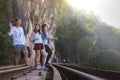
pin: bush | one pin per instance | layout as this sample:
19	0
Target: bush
6	53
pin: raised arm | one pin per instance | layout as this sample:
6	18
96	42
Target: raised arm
10	33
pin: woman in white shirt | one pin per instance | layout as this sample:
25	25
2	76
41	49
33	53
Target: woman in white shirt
38	46
19	42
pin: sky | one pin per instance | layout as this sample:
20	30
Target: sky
107	10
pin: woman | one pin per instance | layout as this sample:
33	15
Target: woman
46	39
38	46
19	42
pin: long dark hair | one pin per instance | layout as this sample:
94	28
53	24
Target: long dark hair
43	30
39	31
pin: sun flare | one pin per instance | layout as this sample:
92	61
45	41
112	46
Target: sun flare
87	5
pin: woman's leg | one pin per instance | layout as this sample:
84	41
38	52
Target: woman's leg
49	51
16	59
37	56
16	53
25	57
43	57
40	58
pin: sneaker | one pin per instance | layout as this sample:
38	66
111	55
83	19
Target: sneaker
38	68
49	62
44	68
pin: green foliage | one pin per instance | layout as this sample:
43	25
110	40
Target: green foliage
87	41
109	60
74	31
5	40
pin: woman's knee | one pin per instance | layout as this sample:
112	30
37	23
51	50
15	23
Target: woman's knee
44	55
50	52
25	53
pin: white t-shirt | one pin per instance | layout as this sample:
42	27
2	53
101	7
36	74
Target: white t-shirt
18	35
38	36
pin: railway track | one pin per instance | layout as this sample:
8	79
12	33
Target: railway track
109	75
11	72
53	74
9	67
56	72
73	74
70	72
17	72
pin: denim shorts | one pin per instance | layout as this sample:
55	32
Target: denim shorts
19	48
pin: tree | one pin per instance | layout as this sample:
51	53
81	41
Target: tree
86	40
5	40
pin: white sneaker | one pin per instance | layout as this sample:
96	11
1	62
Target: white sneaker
49	61
44	67
38	67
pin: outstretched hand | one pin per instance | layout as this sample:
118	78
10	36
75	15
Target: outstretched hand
10	25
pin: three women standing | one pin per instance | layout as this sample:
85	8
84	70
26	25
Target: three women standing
40	39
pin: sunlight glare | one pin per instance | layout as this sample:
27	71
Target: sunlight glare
87	5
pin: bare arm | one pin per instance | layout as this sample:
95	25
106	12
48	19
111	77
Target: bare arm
10	33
